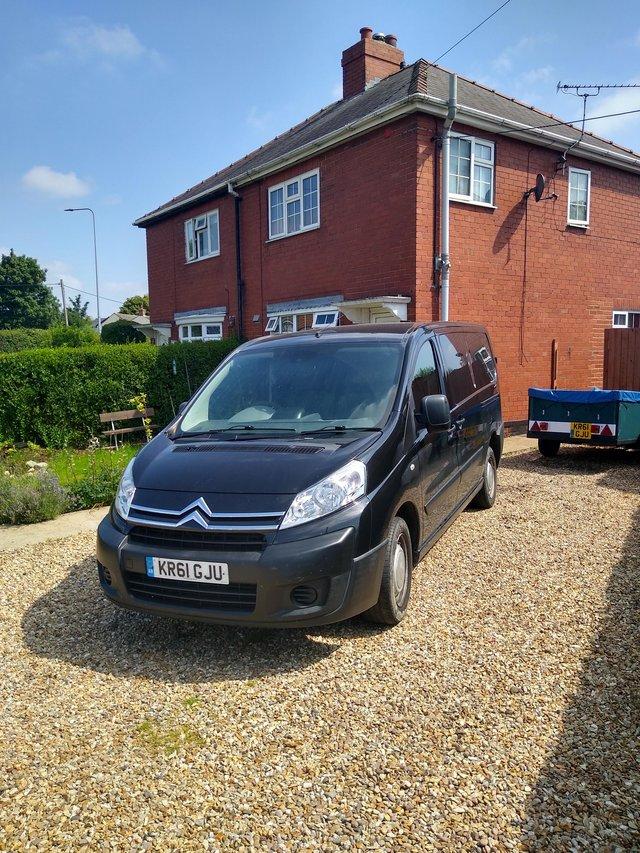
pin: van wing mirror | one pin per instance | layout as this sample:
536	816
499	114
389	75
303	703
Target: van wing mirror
436	412
182	407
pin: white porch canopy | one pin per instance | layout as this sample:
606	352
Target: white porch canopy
376	309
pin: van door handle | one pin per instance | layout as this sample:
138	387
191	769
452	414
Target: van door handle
459	423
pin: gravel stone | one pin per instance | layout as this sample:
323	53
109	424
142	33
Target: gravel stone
502	714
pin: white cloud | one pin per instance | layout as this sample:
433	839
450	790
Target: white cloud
258	120
83	40
59	184
336	91
112	199
536	75
504	61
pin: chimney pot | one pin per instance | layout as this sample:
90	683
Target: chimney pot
392	40
365	33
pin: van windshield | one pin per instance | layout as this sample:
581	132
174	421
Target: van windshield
300	387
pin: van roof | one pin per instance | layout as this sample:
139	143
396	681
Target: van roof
377	329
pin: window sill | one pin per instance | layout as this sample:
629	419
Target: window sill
461	200
295	234
205	258
581	225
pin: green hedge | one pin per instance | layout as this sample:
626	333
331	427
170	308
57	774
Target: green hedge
53	396
179	370
13	340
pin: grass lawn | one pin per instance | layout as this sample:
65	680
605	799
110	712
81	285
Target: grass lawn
83	478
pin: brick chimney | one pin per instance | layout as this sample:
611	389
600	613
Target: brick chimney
371	59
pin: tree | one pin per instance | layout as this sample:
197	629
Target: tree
77	312
25	300
133	304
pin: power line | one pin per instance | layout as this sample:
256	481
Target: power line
68	287
488	18
566	123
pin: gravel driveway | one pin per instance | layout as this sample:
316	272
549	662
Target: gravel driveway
503	713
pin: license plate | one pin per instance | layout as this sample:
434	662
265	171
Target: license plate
187	570
580	430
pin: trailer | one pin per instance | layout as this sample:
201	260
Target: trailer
594	418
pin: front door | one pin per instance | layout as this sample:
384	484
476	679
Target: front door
437	451
465	357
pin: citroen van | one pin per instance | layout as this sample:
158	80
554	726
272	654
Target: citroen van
307	477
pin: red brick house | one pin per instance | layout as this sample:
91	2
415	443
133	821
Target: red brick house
337	220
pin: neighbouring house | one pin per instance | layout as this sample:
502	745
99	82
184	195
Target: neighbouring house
140	321
338	221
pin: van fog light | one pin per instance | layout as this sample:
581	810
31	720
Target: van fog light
304	596
105	574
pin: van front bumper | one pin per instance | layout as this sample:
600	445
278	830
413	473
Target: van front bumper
262	584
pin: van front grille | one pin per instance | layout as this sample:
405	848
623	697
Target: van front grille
184	538
236	597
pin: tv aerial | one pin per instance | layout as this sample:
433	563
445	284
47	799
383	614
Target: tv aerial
585	91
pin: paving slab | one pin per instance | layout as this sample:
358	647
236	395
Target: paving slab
17	536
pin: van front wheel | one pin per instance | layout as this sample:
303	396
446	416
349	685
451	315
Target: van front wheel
395	588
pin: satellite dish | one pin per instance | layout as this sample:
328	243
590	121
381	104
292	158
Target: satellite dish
538	190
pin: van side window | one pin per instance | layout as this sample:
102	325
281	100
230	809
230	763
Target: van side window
483	365
425	378
458	380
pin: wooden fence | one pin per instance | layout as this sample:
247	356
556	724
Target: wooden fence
622	359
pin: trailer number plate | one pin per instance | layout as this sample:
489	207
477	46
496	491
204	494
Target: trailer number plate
580	430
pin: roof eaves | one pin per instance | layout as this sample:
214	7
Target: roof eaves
381	116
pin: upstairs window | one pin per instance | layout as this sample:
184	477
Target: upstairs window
202	237
579	197
294	206
471	168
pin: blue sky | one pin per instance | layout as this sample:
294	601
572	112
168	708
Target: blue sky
119	106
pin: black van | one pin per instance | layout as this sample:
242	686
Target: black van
306	478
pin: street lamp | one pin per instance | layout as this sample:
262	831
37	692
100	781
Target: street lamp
95	257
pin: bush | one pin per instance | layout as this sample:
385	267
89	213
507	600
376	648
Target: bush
179	370
121	333
53	396
13	340
28	498
73	336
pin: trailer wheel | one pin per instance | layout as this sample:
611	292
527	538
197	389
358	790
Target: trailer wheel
548	447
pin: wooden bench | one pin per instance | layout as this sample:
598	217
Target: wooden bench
114	418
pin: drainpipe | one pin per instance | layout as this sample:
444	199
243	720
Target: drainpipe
445	261
239	283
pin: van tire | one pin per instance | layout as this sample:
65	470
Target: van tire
395	587
486	497
548	447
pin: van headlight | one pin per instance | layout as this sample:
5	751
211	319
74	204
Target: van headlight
335	491
125	492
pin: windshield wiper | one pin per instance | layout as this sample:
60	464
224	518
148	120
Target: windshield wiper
239	428
340	428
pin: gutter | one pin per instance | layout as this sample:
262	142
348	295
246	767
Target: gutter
406	106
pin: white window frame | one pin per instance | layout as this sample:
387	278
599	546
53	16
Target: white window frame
298	196
329	319
192	256
492	165
274	321
579	223
188	338
624	314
